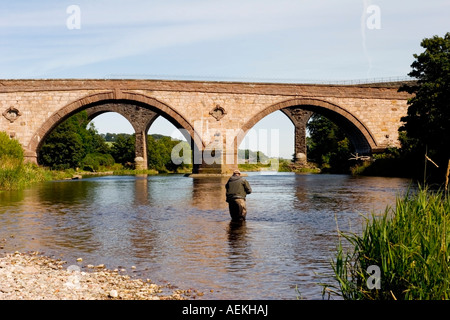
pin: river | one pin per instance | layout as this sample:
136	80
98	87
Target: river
175	229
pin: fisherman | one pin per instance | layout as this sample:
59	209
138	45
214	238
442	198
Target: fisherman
237	189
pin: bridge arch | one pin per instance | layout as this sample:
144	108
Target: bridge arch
139	118
99	103
359	134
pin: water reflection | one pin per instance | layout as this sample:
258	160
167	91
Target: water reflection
141	190
178	229
240	251
209	193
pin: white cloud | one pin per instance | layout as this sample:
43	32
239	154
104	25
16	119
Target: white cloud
111	32
34	37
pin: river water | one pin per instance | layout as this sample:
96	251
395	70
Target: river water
177	230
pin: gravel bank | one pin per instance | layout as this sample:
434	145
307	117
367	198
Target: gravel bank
31	276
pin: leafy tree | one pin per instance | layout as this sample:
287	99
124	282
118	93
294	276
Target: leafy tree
328	145
63	148
110	137
68	144
261	157
159	153
123	149
97	142
427	124
246	155
94	161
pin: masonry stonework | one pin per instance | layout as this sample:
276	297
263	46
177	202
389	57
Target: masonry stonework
214	115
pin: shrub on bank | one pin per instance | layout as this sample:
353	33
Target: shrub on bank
14	173
11	159
10	147
409	244
96	161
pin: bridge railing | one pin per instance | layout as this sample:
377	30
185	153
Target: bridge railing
394	79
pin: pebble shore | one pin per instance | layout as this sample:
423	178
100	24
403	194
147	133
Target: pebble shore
31	276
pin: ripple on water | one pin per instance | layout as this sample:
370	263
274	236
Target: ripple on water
176	229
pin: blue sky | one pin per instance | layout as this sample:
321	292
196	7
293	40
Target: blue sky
245	40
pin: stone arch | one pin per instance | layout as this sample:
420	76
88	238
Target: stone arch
98	100
140	118
359	134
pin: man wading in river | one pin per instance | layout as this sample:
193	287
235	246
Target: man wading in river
237	189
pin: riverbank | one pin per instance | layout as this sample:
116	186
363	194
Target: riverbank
32	276
15	174
279	165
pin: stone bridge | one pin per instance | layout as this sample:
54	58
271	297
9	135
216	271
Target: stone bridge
213	116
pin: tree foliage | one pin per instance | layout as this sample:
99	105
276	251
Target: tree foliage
69	143
74	144
328	145
159	153
253	157
123	149
426	126
10	147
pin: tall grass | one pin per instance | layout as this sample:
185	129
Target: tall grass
409	244
15	174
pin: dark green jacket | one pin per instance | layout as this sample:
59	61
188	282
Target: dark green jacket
237	188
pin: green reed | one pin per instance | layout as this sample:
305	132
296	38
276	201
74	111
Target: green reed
410	246
16	174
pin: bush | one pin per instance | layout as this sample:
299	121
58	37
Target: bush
123	149
95	161
14	173
10	147
70	142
